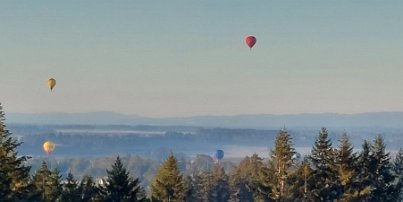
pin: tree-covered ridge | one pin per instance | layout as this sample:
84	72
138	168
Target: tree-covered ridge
328	173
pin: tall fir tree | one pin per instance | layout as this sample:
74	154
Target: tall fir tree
398	170
282	156
119	186
71	192
300	181
363	171
345	165
381	174
168	184
267	181
201	184
244	179
87	188
191	188
14	173
219	189
324	170
213	185
48	183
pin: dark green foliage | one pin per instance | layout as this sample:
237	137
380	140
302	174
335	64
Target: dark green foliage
199	188
87	188
191	191
71	192
300	181
381	175
266	182
168	184
15	182
245	179
218	189
212	185
119	186
48	183
375	179
398	170
324	172
5	189
345	166
362	169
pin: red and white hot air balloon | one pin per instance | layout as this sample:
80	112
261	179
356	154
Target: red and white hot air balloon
250	41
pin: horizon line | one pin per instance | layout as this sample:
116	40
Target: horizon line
196	116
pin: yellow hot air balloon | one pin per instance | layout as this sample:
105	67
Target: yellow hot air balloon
48	147
51	83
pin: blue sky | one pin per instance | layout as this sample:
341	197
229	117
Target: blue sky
186	58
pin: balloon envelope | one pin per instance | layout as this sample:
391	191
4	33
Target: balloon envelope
219	154
51	83
250	41
48	147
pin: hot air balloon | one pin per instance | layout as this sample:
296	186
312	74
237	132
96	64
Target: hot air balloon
250	41
51	83
48	147
219	154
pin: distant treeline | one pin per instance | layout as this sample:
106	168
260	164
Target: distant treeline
87	141
145	141
329	173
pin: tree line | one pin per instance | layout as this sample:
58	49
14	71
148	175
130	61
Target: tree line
328	173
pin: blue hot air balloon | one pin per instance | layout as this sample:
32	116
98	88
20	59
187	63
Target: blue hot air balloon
219	154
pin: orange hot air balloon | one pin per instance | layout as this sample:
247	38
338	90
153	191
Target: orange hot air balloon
51	83
48	147
250	41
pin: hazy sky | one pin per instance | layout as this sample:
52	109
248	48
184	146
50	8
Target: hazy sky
184	58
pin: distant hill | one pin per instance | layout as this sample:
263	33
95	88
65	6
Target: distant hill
262	121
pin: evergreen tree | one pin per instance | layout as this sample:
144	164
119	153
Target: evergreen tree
245	179
87	188
168	184
381	175
70	193
56	184
5	189
14	174
191	192
48	183
267	181
362	179
282	156
300	181
375	179
398	170
324	170
345	162
40	180
119	186
219	190
201	184
212	185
